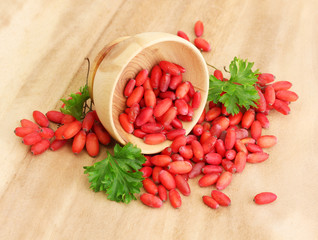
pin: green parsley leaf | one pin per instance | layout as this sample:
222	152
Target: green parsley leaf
74	105
239	90
118	175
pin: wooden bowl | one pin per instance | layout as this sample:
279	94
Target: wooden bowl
122	59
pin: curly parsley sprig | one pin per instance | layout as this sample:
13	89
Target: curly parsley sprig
118	175
239	90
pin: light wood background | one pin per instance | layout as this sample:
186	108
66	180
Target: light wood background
42	49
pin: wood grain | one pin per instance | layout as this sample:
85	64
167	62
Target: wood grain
43	46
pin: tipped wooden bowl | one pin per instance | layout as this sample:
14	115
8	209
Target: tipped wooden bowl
122	59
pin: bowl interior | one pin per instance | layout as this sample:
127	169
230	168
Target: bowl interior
178	52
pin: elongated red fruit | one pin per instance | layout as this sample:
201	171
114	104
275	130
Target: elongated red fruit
67	119
208	179
265	78
218	74
23	131
160	160
146	171
256	129
135	96
197	149
29	124
182	185
40	119
179	167
230	138
168	117
204	136
223	121
236	119
281	106
150	98
150	186
209	144
198	28
224	180
55	116
270	94
267	141
240	161
169	67
147	84
162	107
196	100
213	113
151	200
202	44
182	90
285	95
186	151
46	133
164	82
171	135
40	147
175	198
248	118
261	117
92	144
101	133
221	198
182	106
88	121
129	87
155	76
282	85
57	144
79	142
261	105
265	198
152	127
175	81
210	202
183	35
257	157
144	116
196	170
141	77
155	174
162	192
207	169
253	148
213	158
167	180
31	138
167	94
154	138
219	147
72	129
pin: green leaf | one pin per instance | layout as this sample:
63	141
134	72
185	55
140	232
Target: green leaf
118	175
74	105
239	90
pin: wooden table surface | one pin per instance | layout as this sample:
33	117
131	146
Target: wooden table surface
43	46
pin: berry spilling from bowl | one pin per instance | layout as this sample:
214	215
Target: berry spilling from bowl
158	103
